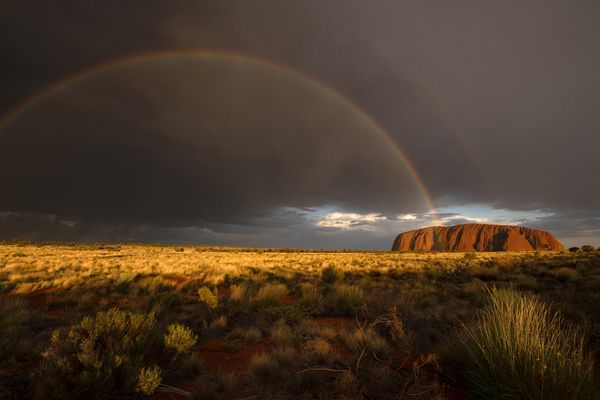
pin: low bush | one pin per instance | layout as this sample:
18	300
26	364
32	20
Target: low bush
112	354
101	355
519	350
208	297
148	380
180	338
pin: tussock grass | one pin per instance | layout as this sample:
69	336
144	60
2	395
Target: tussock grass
252	335
346	299
219	324
238	292
282	335
519	349
227	380
565	274
263	370
15	321
320	347
311	296
271	294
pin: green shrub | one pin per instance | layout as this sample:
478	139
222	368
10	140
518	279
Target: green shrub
148	380
208	297
101	356
180	338
520	350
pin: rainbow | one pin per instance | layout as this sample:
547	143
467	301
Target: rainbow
446	115
20	109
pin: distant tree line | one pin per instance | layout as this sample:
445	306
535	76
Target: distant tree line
585	248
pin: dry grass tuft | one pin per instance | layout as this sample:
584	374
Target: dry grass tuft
517	340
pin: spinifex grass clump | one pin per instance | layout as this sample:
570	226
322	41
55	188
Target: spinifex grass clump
271	294
519	349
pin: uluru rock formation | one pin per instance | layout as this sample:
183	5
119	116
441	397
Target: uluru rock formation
476	237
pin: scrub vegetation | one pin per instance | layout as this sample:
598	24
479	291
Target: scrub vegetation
194	322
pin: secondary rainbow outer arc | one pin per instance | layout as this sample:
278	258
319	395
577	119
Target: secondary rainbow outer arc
445	114
16	112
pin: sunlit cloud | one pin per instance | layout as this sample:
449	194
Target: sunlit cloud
486	214
347	221
454	219
407	217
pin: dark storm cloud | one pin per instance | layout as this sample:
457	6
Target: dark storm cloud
494	102
187	139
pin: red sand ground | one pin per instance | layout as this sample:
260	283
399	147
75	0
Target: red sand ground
215	355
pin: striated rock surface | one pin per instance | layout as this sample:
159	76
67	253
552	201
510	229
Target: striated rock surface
476	237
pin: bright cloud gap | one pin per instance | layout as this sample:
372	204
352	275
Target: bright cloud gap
346	221
373	221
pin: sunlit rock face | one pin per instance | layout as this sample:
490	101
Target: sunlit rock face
476	237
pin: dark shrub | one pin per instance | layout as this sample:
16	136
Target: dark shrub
587	248
574	249
330	274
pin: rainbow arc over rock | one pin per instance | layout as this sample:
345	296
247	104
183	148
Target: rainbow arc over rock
233	57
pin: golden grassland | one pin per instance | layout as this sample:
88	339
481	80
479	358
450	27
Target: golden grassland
111	321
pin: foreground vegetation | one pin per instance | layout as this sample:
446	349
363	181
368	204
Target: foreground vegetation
199	322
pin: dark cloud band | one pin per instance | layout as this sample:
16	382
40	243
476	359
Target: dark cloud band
200	135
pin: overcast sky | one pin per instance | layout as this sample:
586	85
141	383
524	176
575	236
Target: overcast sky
329	124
